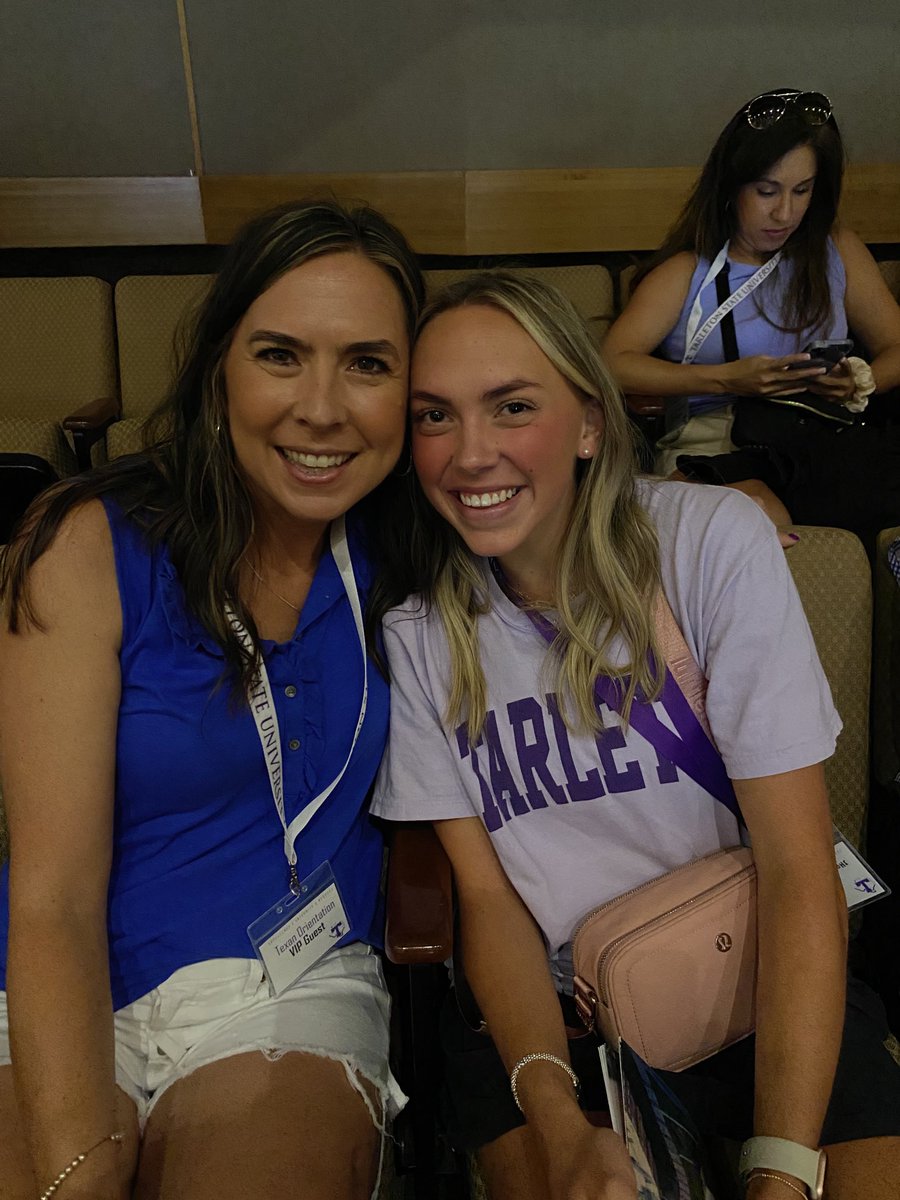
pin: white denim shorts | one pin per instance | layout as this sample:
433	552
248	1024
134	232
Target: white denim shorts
212	1010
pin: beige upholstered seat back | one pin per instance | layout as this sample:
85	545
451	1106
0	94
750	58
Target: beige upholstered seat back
152	313
626	280
56	354
832	575
589	287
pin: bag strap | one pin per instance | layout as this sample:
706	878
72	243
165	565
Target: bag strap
726	325
681	663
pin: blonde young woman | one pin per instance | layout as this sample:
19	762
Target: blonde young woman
528	503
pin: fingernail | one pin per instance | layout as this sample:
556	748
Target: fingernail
795	537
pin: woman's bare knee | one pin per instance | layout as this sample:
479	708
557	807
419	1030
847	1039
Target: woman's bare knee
511	1169
765	498
233	1128
868	1167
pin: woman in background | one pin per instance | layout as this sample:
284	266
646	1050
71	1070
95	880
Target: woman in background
761	227
189	727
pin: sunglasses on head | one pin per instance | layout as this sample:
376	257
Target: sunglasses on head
763	111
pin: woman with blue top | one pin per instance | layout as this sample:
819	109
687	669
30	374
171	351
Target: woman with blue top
190	728
521	725
754	271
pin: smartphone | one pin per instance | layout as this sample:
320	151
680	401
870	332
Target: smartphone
824	354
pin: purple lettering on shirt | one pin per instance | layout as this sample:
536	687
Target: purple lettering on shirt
689	747
493	816
533	755
502	783
666	771
587	787
627	778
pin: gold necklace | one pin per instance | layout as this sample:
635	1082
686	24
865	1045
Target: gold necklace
277	595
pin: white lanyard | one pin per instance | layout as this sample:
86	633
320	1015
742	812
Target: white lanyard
262	705
694	337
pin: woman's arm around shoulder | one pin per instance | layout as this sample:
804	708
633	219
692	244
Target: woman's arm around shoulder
506	961
59	696
872	312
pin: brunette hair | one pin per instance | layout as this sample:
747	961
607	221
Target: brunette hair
740	156
608	572
185	489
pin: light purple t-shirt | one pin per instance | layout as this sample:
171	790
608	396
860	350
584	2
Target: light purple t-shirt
754	333
576	820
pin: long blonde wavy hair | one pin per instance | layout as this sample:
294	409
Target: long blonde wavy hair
608	562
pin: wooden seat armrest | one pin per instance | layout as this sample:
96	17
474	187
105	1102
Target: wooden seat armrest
94	417
645	406
88	424
419	926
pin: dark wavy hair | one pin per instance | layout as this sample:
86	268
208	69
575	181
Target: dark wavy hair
185	490
740	156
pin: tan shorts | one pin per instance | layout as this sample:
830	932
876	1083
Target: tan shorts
709	433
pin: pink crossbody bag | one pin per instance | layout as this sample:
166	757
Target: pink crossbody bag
670	966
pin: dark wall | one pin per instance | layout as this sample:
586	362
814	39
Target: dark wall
97	87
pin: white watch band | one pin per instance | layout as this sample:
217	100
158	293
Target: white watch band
778	1154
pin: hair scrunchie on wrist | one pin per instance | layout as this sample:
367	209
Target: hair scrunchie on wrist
864	382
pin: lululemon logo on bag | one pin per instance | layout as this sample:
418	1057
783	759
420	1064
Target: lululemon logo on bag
723	942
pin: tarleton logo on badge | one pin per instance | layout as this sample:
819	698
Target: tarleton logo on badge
859	881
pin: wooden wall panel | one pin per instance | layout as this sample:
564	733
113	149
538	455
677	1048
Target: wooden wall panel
557	212
475	213
100	212
871	201
429	206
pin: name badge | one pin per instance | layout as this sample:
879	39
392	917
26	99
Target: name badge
295	933
861	884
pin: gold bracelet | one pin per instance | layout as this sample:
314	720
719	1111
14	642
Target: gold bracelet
787	1183
76	1162
540	1056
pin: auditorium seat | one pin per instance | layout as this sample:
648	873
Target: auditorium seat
588	286
152	312
57	354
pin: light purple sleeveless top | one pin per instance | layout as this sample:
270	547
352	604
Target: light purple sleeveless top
755	335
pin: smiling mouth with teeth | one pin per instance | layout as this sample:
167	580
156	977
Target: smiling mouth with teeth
487	499
315	461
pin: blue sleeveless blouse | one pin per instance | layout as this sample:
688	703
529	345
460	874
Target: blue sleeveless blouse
198	847
755	334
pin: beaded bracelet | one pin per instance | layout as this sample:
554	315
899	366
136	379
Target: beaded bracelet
779	1179
540	1056
76	1162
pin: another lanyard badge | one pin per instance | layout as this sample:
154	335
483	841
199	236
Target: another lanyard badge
303	925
